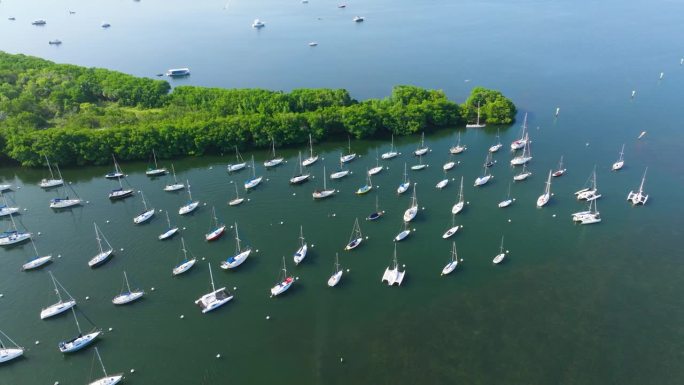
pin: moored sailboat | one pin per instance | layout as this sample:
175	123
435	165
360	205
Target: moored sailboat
61	305
377	167
146	214
9	353
185	264
216	230
325	193
560	170
477	124
215	298
103	256
80	341
337	273
13	236
422	149
117	173
350	156
508	201
37	261
127	295
299	177
254	180
356	237
621	160
367	187
284	282
639	197
500	257
412	211
457	148
52	182
107	379
520	143
392	274
458	206
237	200
404	186
453	229
312	158
275	160
175	186
191	205
300	254
544	198
170	231
391	153
156	170
240	254
239	162
453	262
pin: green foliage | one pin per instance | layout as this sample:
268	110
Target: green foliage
495	108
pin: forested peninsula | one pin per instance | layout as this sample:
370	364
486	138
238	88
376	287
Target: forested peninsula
78	116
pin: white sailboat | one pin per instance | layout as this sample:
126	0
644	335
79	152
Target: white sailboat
350	156
422	149
61	305
239	162
127	295
325	193
191	205
442	183
496	146
477	124
340	174
275	160
6	209
237	200
13	236
79	342
377	213
355	238
590	216
412	211
283	283
450	164
37	261
185	264
107	379
170	231
404	186
156	170
484	179
146	214
240	254
312	158
254	180
121	192
215	298
300	254
103	256
66	202
52	182
175	186
520	143
508	201
9	353
591	192
217	228
453	262
117	173
300	177
451	230
420	165
621	160
544	198
5	187
404	233
500	257
377	167
639	198
526	155
457	148
524	174
391	153
337	273
458	206
392	273
367	187
560	170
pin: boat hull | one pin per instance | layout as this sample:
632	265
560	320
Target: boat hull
36	262
78	343
403	188
449	268
354	243
299	179
187	209
126	298
183	267
442	183
157	172
144	217
174	187
168	234
450	232
505	203
402	235
273	162
9	354
309	161
410	214
457	208
339	174
236	167
120	194
282	287
64	203
215	234
335	279
214	300
300	254
393	276
375	170
14	238
389	155
100	259
236	260
56	309
109	380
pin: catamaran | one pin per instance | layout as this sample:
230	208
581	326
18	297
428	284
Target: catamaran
560	170
5	209
283	283
215	298
79	342
275	160
405	232
356	237
13	236
639	198
254	180
500	257
453	262
391	153
321	194
61	305
404	186
524	174
107	379
442	183
52	182
171	230
377	167
459	205
526	155
117	173
392	273
300	254
239	162
191	205
422	149
621	160
186	263
299	177
127	295
37	261
590	216
496	146
451	230
104	254
420	165
477	124
312	158
377	213
175	186
337	273
9	353
367	187
237	199
217	228
240	254
508	201
156	171
120	193
544	198
412	211
340	174
482	180
146	214
457	148
350	156
589	193
520	143
66	202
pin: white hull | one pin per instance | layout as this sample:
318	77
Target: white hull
58	308
236	260
110	380
363	190
339	174
144	217
120	194
457	149
618	165
281	287
590	219
499	258
236	167
300	254
403	188
252	183
123	299
410	213
335	279
322	194
521	176
481	181
476	125
78	343
309	161
520	160
9	354
100	258
215	234
637	198
505	203
213	300
273	162
457	208
157	172
36	262
448	166
442	183
393	276
375	170
401	236
183	267
451	266
187	209
168	234
450	232
174	187
421	151
5	187
543	200
236	201
418	167
347	158
389	155
64	203
14	238
495	147
353	244
518	144
299	179
114	175
5	211
49	183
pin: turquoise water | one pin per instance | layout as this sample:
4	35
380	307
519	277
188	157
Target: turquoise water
592	305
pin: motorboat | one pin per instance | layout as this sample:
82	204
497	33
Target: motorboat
39	22
178	72
258	24
358	19
55	42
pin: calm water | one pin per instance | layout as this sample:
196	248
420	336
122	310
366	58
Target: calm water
592	305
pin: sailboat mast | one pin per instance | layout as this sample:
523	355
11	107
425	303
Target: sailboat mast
325	186
643	179
59	296
78	326
52	176
311	145
301	235
154	156
185	252
168	221
211	276
237	239
501	248
126	279
97	236
460	193
173	169
189	192
97	352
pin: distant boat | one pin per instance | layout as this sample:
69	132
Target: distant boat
105	25
121	192
459	205
489	160
560	170
544	198
127	295
217	228
337	273
79	342
61	305
37	261
237	199
422	149
13	236
6	209
377	213
342	6
215	298
146	214
500	257
178	72
312	158
156	170
258	24
392	274
284	282
404	233
508	201
482	180
457	148
175	186
404	186
524	174
589	216
621	160
377	167
104	254
191	205
240	254
412	211
477	124
55	42
11	18
117	173
275	160
391	153
367	187
639	197
185	264
65	202
358	19
356	237
496	146
239	162
313	44
340	174
453	262
420	165
299	177
525	157
450	164
325	193
350	155
107	379
442	183
170	231
39	22
643	133
451	230
589	193
300	254
254	180
520	143
52	182
9	353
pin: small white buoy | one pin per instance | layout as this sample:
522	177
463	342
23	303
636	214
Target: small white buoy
249	199
281	222
312	245
37	342
403	265
509	221
204	204
2	295
39	233
152	289
297	278
218	355
183	228
633	93
87	298
107	221
87	201
366	236
293	194
56	383
234	287
132	370
586	144
554	215
334	215
110	329
203	258
557	111
348	270
268	317
341	359
59	255
122	249
662	74
257	250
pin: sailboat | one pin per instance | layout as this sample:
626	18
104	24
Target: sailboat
450	164
186	263
451	230
340	174
589	193
482	180
217	230
350	156
300	177
171	230
300	254
283	283
422	149
520	143
237	199
321	194
215	298
254	180
526	155
13	236
120	193
275	160
392	273
457	148
589	216
175	186
508	201
377	213
544	198
156	171
239	162
560	170
146	214
66	202
459	205
61	305
621	160
79	342
367	187
9	353
312	158
337	273
117	173
104	254
477	124
496	146
404	186
412	211
356	237
391	153
5	209
377	167
453	262
240	254
128	295
442	183
5	187
639	198
52	182
107	379
405	232
500	257
191	205
37	261
524	174
489	160
420	165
